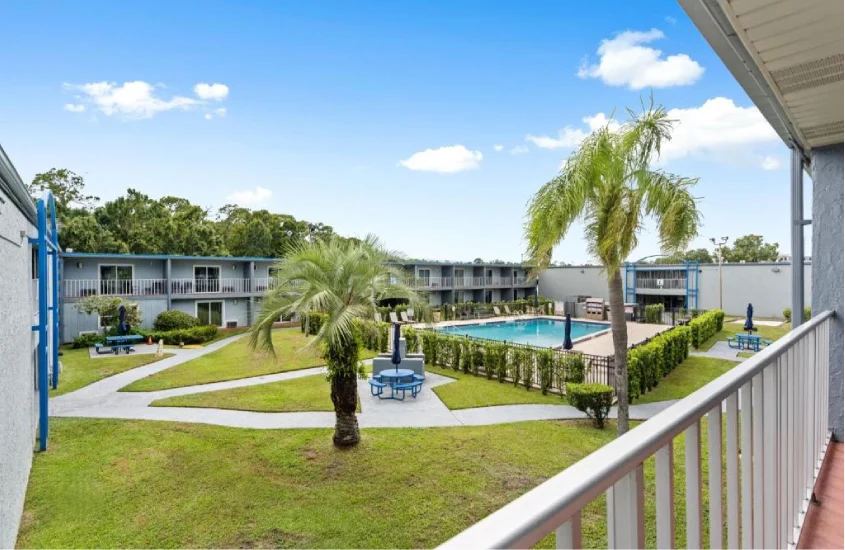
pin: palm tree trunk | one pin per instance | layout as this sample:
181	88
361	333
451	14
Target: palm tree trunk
619	329
345	399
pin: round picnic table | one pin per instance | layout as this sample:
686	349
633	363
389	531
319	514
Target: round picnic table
393	376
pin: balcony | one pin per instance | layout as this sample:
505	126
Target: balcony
82	288
772	456
431	283
210	286
661	284
469	282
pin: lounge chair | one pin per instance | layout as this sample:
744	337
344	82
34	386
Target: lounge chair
508	311
411	315
395	319
496	311
404	316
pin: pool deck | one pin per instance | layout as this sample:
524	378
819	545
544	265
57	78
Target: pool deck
598	344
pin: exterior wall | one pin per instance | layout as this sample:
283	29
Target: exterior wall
184	269
828	267
262	270
234	309
435	298
766	285
434	270
18	395
142	269
74	321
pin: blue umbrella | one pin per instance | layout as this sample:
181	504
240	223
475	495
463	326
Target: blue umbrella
121	326
396	358
749	323
567	332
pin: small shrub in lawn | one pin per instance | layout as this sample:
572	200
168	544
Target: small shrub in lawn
575	369
654	313
313	322
174	320
502	362
87	340
466	356
491	359
528	370
518	359
412	339
456	352
592	399
787	314
545	366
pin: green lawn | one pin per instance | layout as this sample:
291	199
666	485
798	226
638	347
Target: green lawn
238	361
79	369
692	374
309	393
732	329
476	391
745	354
118	483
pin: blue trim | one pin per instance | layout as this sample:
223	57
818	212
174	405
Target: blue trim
166	257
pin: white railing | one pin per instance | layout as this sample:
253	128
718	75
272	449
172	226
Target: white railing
81	288
773	454
665	284
431	282
209	286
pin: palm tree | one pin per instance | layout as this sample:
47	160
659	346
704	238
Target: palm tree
609	184
344	279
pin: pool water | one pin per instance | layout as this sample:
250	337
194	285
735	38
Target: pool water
545	333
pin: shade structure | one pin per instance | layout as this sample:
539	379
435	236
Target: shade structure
396	357
567	332
749	321
121	326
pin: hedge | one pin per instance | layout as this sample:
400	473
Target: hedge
174	320
703	327
193	335
787	314
654	359
654	313
449	312
592	399
315	321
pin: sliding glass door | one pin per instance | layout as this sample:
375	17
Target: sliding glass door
207	278
210	313
116	279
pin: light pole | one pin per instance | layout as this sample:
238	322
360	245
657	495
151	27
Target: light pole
719	258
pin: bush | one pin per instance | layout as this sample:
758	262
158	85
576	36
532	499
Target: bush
315	321
545	366
174	320
592	399
649	362
528	370
787	314
575	369
654	314
193	335
87	340
703	327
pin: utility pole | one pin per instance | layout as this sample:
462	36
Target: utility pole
719	257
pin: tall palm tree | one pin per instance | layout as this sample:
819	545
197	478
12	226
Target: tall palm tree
344	279
609	183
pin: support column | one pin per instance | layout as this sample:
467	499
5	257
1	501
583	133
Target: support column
797	244
167	283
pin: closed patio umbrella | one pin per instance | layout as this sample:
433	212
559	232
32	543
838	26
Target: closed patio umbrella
749	322
396	358
121	326
567	332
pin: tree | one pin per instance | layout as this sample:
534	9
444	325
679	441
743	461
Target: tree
751	248
84	233
344	280
67	187
700	255
107	308
478	261
609	184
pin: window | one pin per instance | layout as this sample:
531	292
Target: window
425	274
116	279
207	278
210	313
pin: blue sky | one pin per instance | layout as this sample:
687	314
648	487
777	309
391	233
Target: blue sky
317	105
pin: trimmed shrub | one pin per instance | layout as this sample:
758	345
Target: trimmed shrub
528	370
787	314
87	340
519	356
703	327
456	350
654	314
315	322
466	356
174	320
193	335
545	369
575	369
592	399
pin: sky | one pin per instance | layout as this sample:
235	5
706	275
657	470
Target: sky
430	124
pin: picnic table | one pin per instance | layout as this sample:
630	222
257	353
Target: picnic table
123	342
395	380
745	341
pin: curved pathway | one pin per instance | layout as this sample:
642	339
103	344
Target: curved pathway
103	399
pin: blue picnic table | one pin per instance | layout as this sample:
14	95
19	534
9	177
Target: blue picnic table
745	341
123	342
395	379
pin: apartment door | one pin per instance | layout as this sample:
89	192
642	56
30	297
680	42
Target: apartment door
425	277
515	276
488	296
210	313
207	278
515	294
459	277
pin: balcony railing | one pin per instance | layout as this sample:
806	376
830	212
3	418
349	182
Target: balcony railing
431	282
467	282
773	452
209	286
81	288
664	284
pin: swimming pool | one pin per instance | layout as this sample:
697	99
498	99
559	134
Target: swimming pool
545	333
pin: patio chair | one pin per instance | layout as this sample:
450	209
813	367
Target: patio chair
508	311
496	311
395	319
411	315
404	317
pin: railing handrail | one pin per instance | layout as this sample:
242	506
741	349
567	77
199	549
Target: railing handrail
529	518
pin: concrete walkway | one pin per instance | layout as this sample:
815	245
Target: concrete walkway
720	350
103	400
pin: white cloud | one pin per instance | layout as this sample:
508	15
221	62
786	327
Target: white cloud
208	116
250	196
519	150
498	148
221	112
770	163
74	107
625	61
671	20
213	92
570	137
445	160
137	99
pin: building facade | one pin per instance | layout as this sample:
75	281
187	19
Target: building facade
226	291
768	286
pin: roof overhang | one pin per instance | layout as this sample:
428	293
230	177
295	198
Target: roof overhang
787	55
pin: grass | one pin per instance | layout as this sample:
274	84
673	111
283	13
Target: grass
79	369
119	483
732	329
309	393
476	391
237	361
745	354
692	374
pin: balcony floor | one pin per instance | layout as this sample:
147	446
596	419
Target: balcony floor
823	527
